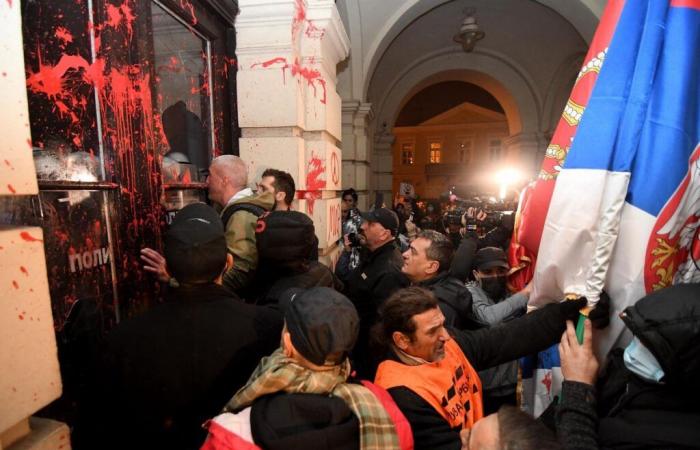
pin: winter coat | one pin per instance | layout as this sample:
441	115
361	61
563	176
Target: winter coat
170	369
636	413
240	240
454	299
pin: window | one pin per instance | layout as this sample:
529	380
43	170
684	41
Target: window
407	154
495	149
464	150
435	152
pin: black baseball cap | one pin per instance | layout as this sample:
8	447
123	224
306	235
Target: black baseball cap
195	245
384	216
322	323
489	257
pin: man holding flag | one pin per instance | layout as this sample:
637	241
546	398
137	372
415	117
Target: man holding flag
624	208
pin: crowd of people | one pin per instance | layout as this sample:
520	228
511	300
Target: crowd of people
411	342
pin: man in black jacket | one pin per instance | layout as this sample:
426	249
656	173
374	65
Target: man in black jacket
175	366
426	264
432	373
648	394
375	279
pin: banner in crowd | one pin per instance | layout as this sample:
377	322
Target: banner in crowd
625	209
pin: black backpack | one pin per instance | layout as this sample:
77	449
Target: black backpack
250	207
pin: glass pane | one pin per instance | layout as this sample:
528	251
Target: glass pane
79	257
176	199
183	97
63	112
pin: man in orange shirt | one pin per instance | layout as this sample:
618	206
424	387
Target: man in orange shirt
432	373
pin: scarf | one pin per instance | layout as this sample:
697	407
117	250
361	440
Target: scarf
277	373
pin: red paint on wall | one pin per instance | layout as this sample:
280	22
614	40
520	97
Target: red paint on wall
24	270
15	284
11	188
9	2
312	76
28	237
20	316
64	35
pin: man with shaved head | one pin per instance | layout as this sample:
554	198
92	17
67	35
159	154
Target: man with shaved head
227	185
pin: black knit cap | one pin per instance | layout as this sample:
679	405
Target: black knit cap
489	257
322	322
195	245
384	216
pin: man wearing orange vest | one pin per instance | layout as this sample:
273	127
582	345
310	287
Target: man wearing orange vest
432	373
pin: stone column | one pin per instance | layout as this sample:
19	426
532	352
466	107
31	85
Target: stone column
356	149
525	150
29	371
382	165
288	107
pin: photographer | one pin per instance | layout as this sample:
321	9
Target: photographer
376	277
481	228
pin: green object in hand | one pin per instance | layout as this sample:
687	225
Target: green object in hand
579	327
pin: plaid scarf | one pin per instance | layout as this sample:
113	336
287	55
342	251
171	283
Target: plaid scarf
277	373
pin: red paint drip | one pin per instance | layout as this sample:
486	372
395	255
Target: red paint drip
15	284
21	317
311	76
11	188
28	237
24	270
186	4
314	171
64	35
270	62
121	15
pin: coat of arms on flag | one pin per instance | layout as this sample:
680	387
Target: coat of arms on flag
625	206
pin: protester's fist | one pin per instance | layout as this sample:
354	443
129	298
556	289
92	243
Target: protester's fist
155	263
600	315
578	363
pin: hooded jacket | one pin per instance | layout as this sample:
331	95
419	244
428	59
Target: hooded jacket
240	240
636	413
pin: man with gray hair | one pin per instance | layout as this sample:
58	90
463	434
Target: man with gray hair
227	185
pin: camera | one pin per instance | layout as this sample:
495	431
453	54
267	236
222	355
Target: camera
354	240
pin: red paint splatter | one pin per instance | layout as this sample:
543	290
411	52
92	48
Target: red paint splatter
28	237
186	4
314	32
314	170
270	62
29	142
15	284
311	76
7	163
64	35
11	188
118	15
23	270
9	2
49	79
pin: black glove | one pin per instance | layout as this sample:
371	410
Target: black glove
570	308
600	315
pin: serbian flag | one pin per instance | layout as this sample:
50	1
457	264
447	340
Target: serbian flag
625	209
535	200
541	374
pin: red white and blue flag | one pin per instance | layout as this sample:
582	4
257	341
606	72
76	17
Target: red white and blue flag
625	209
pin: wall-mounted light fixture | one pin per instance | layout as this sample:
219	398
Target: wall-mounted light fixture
469	32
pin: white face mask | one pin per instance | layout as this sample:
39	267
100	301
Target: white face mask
640	361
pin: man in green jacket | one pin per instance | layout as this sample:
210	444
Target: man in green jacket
240	208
